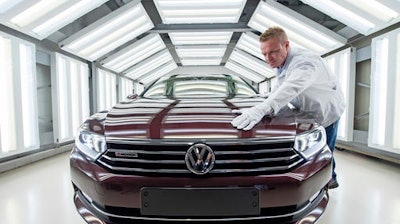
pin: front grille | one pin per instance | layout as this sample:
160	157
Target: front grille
168	159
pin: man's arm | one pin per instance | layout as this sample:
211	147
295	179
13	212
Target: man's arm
300	78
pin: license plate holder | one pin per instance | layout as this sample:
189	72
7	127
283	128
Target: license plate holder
200	202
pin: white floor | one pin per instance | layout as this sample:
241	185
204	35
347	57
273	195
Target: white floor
41	193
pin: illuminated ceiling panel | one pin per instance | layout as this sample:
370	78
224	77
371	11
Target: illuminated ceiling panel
109	32
200	48
195	11
365	17
134	53
251	62
244	71
157	73
201	61
201	54
249	42
40	18
5	5
300	29
190	38
201	51
150	65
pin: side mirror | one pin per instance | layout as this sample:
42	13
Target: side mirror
132	96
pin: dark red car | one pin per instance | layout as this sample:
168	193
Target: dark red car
171	155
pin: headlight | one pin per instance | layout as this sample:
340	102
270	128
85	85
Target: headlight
310	142
91	144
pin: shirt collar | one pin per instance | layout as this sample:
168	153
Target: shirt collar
283	66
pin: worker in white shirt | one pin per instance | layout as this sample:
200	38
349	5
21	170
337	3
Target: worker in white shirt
305	81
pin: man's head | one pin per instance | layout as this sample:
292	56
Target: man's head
274	46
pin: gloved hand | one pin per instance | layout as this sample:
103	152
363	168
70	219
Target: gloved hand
250	116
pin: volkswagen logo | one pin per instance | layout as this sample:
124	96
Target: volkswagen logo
200	159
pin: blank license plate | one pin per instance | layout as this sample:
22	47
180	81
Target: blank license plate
200	202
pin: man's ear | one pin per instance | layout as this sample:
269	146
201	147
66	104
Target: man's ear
287	44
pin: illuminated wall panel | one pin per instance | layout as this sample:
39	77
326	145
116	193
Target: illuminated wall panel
264	87
139	87
106	85
342	64
19	130
384	120
70	86
125	88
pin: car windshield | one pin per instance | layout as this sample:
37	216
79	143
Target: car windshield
205	86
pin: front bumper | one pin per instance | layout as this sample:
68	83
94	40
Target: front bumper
309	214
290	198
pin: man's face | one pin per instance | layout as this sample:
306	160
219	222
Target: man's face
274	51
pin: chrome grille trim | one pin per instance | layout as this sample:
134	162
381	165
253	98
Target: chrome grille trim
146	170
276	168
174	141
255	151
257	160
279	168
146	152
168	158
143	161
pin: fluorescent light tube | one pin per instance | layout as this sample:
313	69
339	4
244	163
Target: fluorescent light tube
201	54
244	72
194	11
125	88
5	5
71	105
250	43
251	62
203	51
110	32
379	92
68	14
342	65
201	61
40	18
377	9
343	14
190	38
28	95
149	64
162	70
299	28
35	12
7	113
106	90
134	53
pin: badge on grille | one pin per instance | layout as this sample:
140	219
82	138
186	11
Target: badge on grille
200	159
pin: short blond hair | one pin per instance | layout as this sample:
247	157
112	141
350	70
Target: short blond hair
274	32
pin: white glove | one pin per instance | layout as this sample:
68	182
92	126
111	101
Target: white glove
250	116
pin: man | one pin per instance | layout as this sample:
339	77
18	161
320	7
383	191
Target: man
305	81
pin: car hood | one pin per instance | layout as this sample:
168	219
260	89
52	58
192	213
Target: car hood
193	119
